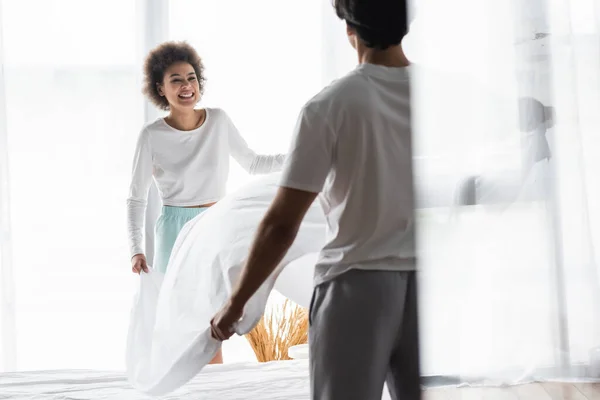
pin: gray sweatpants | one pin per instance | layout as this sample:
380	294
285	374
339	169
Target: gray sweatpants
364	332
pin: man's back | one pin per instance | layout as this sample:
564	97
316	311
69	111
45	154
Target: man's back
368	194
352	146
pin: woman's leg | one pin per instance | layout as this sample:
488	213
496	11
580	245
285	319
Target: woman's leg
218	358
166	231
168	226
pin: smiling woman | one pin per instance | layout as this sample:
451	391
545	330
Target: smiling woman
186	153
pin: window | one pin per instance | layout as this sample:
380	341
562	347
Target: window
263	62
73	114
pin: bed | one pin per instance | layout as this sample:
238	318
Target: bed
268	381
279	380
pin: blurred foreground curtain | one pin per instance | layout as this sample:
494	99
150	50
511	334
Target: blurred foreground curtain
507	122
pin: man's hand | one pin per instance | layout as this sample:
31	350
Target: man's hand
221	326
138	264
275	235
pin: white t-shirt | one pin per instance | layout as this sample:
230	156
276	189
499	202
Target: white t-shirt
353	146
190	167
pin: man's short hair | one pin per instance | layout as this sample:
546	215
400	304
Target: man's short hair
378	23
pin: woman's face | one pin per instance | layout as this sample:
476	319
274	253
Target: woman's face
180	86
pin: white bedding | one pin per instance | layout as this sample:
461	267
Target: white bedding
278	380
169	339
282	380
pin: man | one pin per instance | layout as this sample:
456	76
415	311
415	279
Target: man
353	146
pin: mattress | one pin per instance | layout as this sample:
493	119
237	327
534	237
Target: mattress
281	380
277	380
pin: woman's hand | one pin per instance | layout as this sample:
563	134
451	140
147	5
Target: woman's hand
138	264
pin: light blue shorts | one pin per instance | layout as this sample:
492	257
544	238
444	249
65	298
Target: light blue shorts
168	226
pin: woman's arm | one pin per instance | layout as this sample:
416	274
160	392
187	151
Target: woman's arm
253	163
141	178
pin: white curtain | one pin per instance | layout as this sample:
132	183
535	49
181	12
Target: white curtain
7	310
506	101
73	107
506	140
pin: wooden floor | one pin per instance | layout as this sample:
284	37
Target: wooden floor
536	391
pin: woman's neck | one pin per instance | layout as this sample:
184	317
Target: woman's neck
187	120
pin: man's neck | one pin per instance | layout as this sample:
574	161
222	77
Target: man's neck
391	57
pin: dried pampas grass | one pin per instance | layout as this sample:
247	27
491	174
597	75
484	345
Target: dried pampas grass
278	330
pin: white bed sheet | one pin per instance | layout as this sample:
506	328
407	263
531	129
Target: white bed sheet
278	380
267	381
169	338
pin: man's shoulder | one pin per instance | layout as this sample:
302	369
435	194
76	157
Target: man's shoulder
343	88
338	94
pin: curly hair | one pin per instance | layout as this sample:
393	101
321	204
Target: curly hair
378	23
160	59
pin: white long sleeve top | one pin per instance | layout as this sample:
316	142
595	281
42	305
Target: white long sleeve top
190	168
